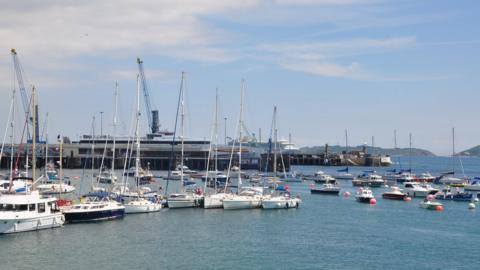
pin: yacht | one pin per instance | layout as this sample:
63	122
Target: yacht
344	175
369	180
106	177
401	177
425	177
364	195
184	200
450	180
95	206
473	185
249	197
395	193
416	190
448	194
282	201
431	205
324	179
55	188
28	212
17	185
215	200
142	205
326	189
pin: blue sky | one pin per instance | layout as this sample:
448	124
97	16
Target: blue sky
369	66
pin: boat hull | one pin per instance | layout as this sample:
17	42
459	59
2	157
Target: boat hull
188	203
241	204
138	209
213	201
394	196
363	199
31	224
89	216
326	192
280	204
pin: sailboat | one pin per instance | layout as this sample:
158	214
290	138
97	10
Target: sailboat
214	178
246	197
54	185
140	204
183	199
448	178
282	199
97	205
28	211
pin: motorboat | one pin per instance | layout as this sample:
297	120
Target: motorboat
55	188
142	205
248	198
184	200
17	185
185	170
364	195
368	180
425	177
324	179
473	185
457	195
414	189
95	206
28	212
401	177
326	189
106	177
177	176
281	201
431	205
450	180
395	193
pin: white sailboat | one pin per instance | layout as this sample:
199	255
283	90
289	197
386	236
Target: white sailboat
246	198
215	199
140	204
183	199
28	211
281	200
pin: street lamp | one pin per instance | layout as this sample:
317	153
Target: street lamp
225	118
101	124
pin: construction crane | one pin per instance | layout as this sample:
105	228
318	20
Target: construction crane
152	114
25	102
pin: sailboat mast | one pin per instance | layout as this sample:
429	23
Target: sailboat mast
61	163
216	139
346	141
12	139
182	123
453	149
275	141
240	124
137	133
114	129
34	136
46	147
410	152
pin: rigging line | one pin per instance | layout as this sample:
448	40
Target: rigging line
172	153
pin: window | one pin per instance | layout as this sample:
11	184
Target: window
31	207
9	207
41	208
22	207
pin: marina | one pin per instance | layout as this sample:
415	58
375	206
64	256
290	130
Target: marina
283	134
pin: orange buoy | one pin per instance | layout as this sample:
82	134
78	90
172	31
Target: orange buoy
373	201
407	199
439	208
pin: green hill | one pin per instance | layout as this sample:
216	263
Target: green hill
370	150
473	152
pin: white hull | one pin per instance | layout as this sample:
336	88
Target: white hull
32	224
280	204
187	203
417	193
137	209
214	201
242	203
472	187
55	188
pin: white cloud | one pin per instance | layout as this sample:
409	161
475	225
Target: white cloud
319	58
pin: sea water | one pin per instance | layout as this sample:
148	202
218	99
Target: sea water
326	232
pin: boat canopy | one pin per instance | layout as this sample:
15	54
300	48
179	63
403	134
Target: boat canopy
343	170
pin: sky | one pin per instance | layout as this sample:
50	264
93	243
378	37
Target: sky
368	66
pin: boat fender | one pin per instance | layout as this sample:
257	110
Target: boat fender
373	201
439	208
471	206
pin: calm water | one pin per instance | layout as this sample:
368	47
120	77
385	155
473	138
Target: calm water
326	232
